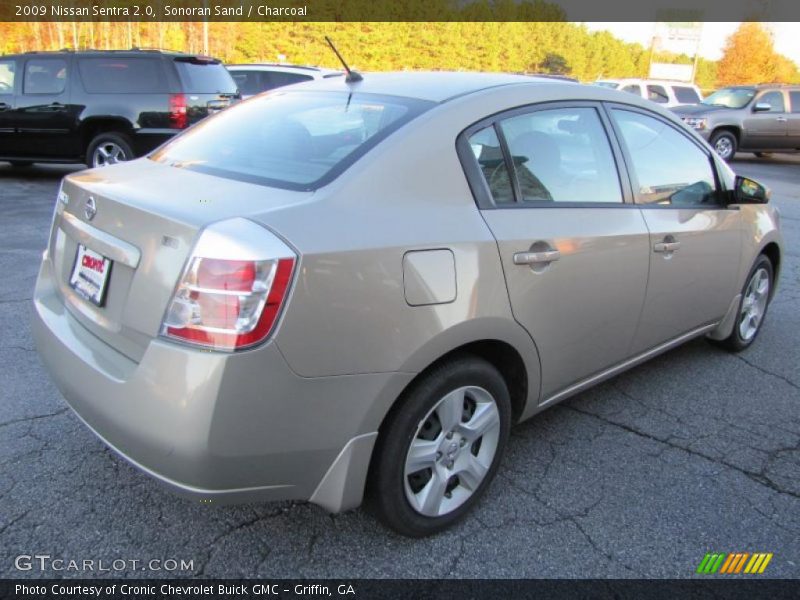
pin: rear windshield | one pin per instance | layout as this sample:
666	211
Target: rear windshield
200	76
294	140
123	75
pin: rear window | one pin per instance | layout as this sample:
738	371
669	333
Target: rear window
204	76
686	95
294	140
123	75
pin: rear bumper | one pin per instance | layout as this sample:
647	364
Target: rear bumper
147	140
217	427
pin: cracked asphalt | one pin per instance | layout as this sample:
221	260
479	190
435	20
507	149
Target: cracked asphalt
693	452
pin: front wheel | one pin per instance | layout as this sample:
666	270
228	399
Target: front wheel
440	448
724	144
752	307
107	149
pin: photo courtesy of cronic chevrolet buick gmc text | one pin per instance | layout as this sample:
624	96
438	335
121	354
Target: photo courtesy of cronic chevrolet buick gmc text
103	107
347	289
757	118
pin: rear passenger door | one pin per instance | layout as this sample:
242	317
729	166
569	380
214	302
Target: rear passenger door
793	129
574	252
45	122
8	77
695	241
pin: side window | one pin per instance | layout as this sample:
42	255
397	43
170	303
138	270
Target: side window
633	89
7	68
657	93
774	99
486	148
45	76
686	95
562	155
278	79
122	75
248	82
668	167
794	98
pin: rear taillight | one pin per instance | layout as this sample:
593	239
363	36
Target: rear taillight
233	288
178	118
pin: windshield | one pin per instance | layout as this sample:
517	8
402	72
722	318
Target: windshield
293	140
731	97
609	84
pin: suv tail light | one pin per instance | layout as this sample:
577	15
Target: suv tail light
178	118
232	289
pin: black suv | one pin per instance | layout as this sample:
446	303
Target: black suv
101	107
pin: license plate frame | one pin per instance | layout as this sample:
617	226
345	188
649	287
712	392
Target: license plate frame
90	274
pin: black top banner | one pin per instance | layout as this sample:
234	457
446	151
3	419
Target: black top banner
676	11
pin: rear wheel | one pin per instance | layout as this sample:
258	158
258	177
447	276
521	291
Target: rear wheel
724	144
752	307
440	450
108	148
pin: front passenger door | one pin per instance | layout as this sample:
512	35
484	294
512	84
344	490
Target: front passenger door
766	130
695	242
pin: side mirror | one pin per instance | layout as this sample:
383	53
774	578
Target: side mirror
747	191
762	107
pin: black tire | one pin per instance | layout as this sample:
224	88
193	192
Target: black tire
735	342
386	486
724	143
21	163
109	139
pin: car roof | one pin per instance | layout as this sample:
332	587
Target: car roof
284	67
656	81
433	86
120	52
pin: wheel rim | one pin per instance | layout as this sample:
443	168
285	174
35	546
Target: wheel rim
452	451
754	304
724	147
108	153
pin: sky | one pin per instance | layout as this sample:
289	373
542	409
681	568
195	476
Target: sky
713	36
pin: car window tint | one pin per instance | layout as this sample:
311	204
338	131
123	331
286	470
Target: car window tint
562	155
632	89
45	76
669	168
203	76
7	68
686	95
775	101
292	140
248	82
122	75
657	93
794	98
278	79
486	148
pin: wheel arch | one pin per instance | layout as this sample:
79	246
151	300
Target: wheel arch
93	126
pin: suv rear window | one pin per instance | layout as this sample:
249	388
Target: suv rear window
123	75
204	76
292	140
685	95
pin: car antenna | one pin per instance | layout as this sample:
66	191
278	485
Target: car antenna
352	76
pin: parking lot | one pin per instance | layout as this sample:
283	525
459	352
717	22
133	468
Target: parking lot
697	451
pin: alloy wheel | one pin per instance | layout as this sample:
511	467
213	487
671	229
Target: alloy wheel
724	147
754	304
108	153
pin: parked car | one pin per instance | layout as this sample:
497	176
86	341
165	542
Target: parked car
752	118
338	285
256	78
668	93
102	107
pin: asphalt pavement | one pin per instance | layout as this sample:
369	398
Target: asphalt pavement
696	451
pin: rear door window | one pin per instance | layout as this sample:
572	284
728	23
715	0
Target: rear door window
657	93
633	89
7	70
276	79
45	76
123	75
686	95
204	76
794	97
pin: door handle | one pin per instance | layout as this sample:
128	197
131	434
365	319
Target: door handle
666	246
536	258
781	119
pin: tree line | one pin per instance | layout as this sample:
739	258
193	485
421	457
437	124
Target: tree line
521	47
